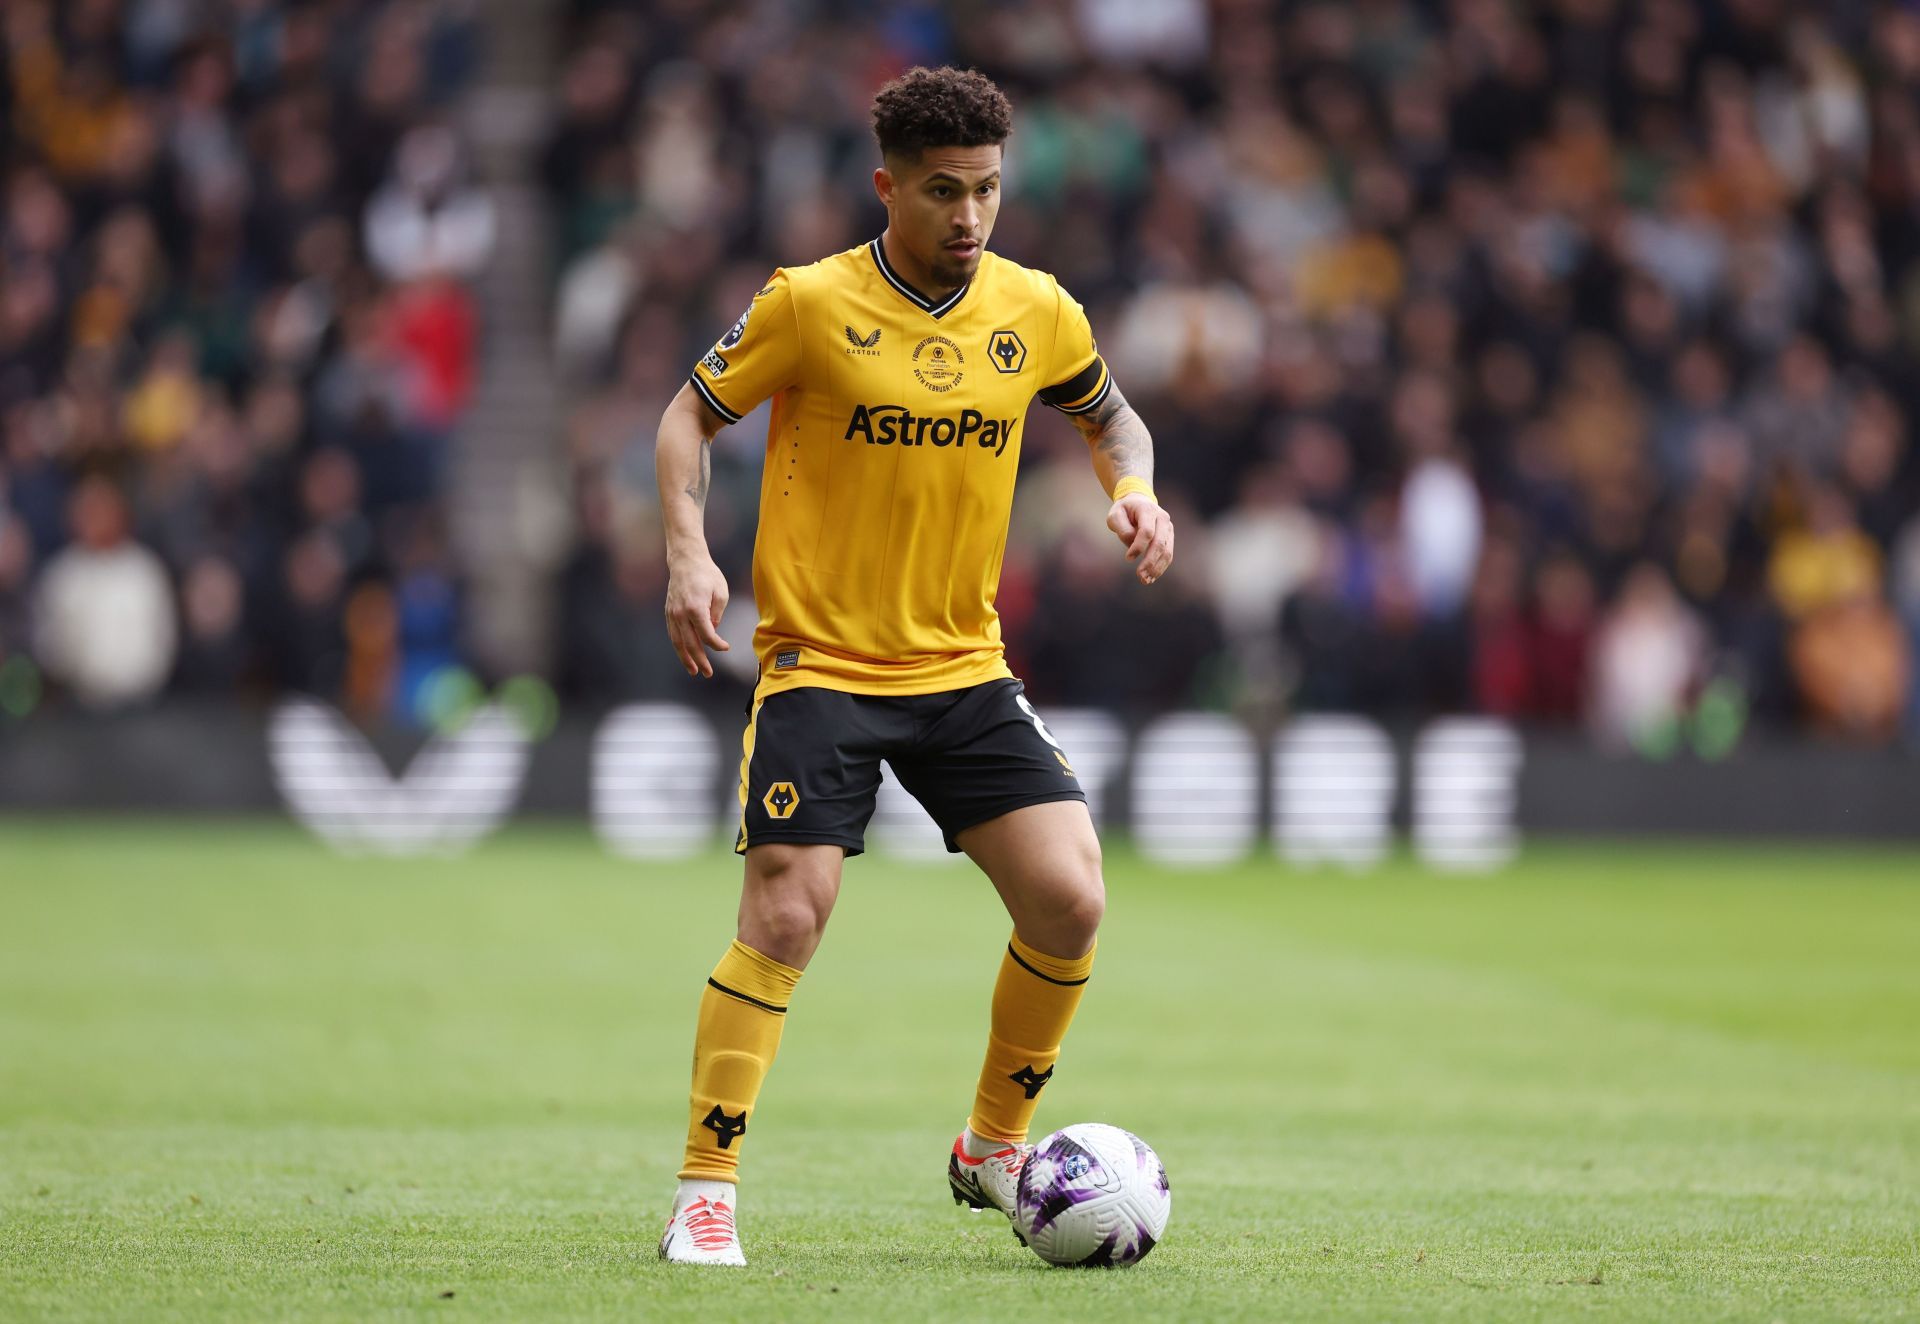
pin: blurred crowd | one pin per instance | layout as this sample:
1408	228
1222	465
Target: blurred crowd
1553	361
1548	360
235	338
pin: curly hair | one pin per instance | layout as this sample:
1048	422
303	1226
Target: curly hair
942	107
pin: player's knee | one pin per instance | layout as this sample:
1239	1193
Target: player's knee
785	927
786	907
1079	896
786	931
1087	909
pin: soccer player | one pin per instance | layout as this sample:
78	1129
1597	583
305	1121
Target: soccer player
900	372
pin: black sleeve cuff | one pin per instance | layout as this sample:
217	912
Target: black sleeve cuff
1077	394
713	401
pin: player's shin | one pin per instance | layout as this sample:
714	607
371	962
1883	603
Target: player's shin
741	1015
1033	1004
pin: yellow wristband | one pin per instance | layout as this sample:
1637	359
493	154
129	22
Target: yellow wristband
1127	486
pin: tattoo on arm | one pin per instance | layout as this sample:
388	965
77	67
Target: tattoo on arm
1114	430
697	488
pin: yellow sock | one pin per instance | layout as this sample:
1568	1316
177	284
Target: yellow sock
741	1015
1033	1003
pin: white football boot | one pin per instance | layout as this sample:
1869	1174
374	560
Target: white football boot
989	1182
701	1230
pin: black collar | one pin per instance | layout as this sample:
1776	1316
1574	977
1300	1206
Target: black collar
935	308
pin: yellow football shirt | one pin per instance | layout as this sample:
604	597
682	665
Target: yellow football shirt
891	458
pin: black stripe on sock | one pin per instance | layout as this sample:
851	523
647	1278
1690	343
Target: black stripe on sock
736	993
1063	983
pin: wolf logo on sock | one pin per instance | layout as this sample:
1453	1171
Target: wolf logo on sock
728	1128
1030	1080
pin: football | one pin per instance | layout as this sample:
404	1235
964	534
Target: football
1092	1195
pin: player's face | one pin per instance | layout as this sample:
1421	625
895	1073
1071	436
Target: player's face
941	209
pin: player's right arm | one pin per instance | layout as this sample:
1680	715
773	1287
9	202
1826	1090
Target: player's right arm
696	590
757	357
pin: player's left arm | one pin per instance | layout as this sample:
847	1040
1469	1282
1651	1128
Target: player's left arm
1123	459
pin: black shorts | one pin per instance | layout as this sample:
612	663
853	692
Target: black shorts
811	770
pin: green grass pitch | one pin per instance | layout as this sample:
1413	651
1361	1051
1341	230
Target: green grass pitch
243	1080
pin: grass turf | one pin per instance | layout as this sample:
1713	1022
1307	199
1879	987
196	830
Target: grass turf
241	1079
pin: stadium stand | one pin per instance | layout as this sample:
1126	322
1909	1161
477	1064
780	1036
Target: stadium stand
1551	361
235	339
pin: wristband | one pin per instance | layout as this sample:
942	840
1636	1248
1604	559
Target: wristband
1131	484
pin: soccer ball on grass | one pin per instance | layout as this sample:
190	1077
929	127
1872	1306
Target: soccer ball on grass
1092	1195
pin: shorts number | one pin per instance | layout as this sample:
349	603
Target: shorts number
1038	725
